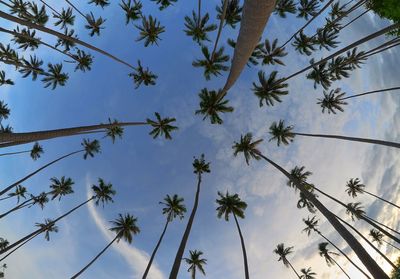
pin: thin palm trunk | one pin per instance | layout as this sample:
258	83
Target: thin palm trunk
16	248
199	13
373	92
294	270
39	231
358	249
18	207
76	9
341	252
5	190
354	19
388	243
340	267
382	199
61	35
246	266
6	198
221	25
364	140
381	224
6	4
14	153
155	251
178	258
51	8
95	258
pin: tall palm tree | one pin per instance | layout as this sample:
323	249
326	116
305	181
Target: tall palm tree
211	106
150	31
164	3
284	134
355	187
35	152
307	273
271	53
174	208
61	187
48	227
133	10
212	64
94	25
232	14
307	8
304	44
222	18
285	6
328	256
125	226
4	80
270	90
377	237
142	75
233	204
197	27
195	262
89	149
251	151
65	18
54	76
101	3
20	192
200	166
283	252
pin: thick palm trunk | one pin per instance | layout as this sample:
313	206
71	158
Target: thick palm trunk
359	250
42	135
340	268
371	92
341	252
364	140
178	258
61	35
294	270
391	245
5	190
95	258
382	199
39	231
155	251
246	266
254	19
221	25
14	153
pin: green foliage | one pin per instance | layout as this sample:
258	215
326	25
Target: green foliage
248	147
233	12
332	101
270	53
90	147
125	227
212	64
195	262
270	90
164	3
65	18
200	165
395	274
47	227
281	133
61	187
94	25
133	10
103	193
389	9
230	204
307	8
67	43
174	207
20	192
54	76
114	131
161	126
36	151
283	252
285	6
4	111
211	104
150	31
142	75
101	3
198	28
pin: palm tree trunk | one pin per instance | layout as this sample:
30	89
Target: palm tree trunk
254	19
372	92
381	224
39	231
246	266
14	153
19	246
5	190
6	198
50	7
388	243
6	4
221	25
95	258
76	9
382	199
155	251
61	35
298	276
194	273
199	13
18	207
359	250
341	252
365	140
340	267
178	258
42	135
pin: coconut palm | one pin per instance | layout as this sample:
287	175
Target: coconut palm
307	8
4	111
20	192
61	187
284	134
4	80
94	25
271	54
332	101
174	208
285	6
377	237
161	126
37	15
304	44
150	31
195	262
164	3
32	67
67	43
200	167
26	40
328	256
47	227
54	76
270	90
3	243
83	60
232	204
101	3
249	148
197	27
132	9
142	75
35	152
232	14
65	18
211	105
283	252
326	38
307	273
212	64
125	227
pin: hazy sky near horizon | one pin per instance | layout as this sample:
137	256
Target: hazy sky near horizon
144	170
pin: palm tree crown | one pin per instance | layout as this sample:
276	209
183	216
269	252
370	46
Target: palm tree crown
233	12
248	147
197	28
195	262
211	105
4	111
36	151
270	53
150	31
230	204
269	90
48	226
326	254
212	64
61	187
355	210
162	126
283	252
308	8
133	10
174	207
125	227
281	133
307	273
200	165
94	25
354	187
64	18
55	76
311	224
376	236
101	3
285	6
90	147
103	193
19	192
143	75
114	131
332	101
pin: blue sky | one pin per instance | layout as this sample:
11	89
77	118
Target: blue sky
143	170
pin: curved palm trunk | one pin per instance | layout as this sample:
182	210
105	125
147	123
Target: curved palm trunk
364	140
359	250
5	190
391	245
221	25
61	35
15	153
382	199
340	268
246	266
42	135
178	258
155	251
95	258
39	231
254	19
371	92
341	252
294	270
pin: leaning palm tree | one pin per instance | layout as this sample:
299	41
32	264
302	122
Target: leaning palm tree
195	262
283	252
307	273
377	237
232	13
250	150
285	134
328	256
174	208
211	106
270	90
355	187
233	204
200	166
20	192
271	53
143	75
125	226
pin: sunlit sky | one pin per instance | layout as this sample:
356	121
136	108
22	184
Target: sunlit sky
144	170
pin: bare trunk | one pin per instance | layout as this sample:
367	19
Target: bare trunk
294	270
340	268
371	92
76	9
16	248
391	245
246	266
14	153
50	7
221	25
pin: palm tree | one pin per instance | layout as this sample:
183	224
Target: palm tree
255	55
195	262
124	227
284	134
377	237
141	75
150	31
269	90
200	166
233	204
283	252
65	18
174	207
61	187
161	126
4	80
4	110
133	11
232	14
211	106
3	243
164	3
35	152
270	53
101	3
304	44
20	192
308	8
285	6
54	76
94	25
250	151
307	273
89	149
355	187
48	226
212	64
327	255
197	27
